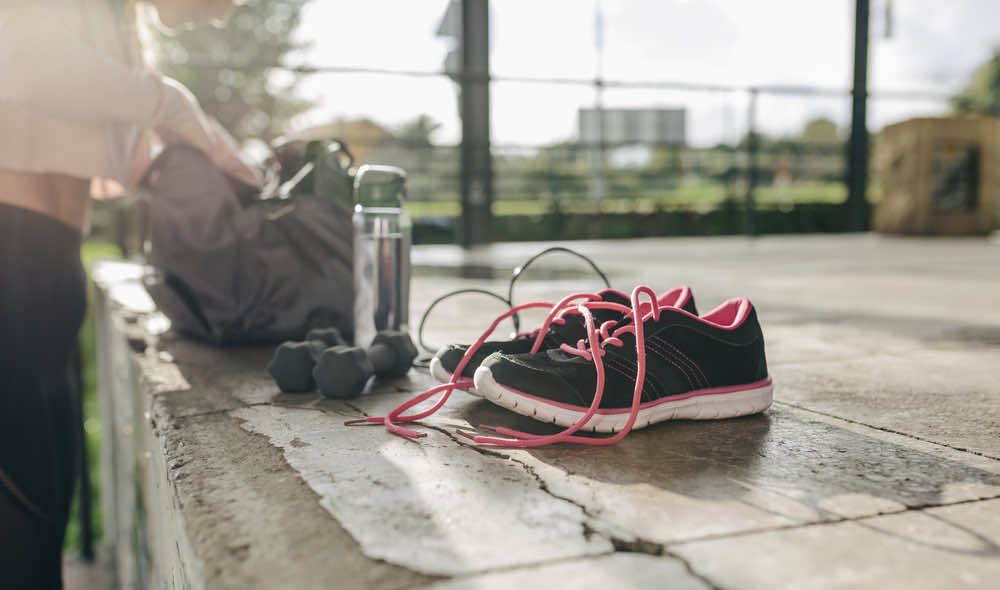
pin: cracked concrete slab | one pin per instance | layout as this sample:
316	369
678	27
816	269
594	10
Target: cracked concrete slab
954	546
927	392
687	480
189	379
252	521
437	507
981	462
670	483
690	479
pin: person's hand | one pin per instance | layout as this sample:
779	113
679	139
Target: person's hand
179	119
228	156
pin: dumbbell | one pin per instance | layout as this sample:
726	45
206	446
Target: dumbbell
293	362
341	372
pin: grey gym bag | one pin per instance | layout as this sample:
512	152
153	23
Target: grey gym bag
231	268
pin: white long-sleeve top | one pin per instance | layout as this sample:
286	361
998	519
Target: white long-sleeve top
70	101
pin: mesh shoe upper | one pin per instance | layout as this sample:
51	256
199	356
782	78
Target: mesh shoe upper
559	333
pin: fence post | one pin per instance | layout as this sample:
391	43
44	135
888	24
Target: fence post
753	147
857	148
476	178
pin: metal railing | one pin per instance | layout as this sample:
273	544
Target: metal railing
559	172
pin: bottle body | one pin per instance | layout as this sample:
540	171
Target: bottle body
382	240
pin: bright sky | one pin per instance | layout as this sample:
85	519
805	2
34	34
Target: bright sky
935	45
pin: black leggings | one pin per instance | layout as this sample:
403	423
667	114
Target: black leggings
42	304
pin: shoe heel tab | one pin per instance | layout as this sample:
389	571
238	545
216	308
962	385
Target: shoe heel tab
750	317
679	297
731	314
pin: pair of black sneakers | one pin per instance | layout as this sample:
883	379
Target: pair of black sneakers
614	364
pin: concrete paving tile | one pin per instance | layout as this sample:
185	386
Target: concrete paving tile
792	339
619	571
981	462
692	479
688	479
251	520
189	379
949	396
436	506
954	546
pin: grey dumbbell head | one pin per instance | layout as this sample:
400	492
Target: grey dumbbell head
403	350
342	372
293	362
292	366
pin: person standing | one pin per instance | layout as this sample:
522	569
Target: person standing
80	111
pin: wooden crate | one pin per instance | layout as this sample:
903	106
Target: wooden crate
939	176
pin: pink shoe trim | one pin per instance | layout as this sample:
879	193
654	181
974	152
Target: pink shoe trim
730	315
643	406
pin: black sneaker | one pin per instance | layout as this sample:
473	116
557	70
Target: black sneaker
696	368
568	328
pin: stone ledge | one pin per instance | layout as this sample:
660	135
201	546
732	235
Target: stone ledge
215	479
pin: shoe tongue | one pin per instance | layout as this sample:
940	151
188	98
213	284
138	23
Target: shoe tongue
614	296
573	328
602	315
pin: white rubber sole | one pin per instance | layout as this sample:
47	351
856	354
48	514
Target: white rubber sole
443	376
706	406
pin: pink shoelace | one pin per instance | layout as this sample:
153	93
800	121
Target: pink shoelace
565	305
593	349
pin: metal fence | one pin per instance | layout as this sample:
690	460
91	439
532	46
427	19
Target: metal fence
752	172
753	169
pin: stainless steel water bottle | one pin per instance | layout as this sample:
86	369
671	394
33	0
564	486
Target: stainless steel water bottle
382	239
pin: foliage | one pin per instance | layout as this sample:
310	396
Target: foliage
820	130
727	219
685	197
92	426
419	132
229	69
982	94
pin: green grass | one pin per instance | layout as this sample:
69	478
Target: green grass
92	424
688	196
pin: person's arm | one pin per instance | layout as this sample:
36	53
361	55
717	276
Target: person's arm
43	65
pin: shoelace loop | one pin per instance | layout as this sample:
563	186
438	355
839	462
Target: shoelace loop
593	349
518	439
457	382
606	336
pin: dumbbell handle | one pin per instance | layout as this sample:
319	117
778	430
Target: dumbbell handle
316	348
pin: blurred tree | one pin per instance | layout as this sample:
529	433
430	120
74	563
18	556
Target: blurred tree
665	160
982	94
229	67
418	133
416	139
764	142
664	169
820	130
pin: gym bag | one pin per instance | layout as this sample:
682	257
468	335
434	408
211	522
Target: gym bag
231	267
